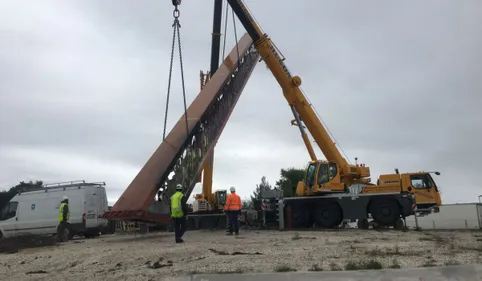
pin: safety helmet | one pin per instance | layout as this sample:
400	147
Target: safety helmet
232	189
65	198
179	187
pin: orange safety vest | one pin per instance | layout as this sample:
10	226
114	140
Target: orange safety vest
233	202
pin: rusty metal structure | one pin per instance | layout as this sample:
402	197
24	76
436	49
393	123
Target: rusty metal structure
180	157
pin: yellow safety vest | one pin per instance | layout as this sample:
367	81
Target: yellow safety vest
61	213
176	205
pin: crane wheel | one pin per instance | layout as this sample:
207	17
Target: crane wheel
399	224
300	215
385	212
327	215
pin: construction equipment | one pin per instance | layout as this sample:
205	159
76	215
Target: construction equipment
384	202
181	156
321	198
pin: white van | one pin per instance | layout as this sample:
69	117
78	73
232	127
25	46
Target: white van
35	211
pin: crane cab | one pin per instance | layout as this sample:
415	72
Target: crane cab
211	202
220	198
320	177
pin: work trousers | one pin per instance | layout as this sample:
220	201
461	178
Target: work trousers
179	227
233	221
60	231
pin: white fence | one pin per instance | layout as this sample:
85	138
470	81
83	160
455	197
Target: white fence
452	216
427	223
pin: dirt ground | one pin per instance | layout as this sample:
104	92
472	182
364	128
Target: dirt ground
155	256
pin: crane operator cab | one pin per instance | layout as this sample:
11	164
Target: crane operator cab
220	197
320	177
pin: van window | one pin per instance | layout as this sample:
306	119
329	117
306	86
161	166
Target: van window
9	211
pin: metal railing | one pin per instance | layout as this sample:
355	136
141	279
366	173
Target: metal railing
45	187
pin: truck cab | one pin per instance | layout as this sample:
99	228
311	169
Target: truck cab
420	184
423	186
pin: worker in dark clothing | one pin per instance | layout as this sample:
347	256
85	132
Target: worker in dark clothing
64	216
178	213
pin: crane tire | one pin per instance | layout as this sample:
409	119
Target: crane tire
300	215
385	211
327	215
399	224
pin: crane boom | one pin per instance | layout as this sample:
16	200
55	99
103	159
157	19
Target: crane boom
301	108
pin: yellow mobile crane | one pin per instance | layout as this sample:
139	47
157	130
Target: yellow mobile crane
322	197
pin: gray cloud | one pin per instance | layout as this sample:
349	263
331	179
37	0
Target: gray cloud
83	85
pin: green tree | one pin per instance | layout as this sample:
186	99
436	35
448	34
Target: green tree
289	178
247	204
256	197
6	196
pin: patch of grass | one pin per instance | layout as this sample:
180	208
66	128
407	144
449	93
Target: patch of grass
451	262
369	264
296	236
395	264
238	270
429	263
334	267
472	248
376	252
426	238
452	246
284	268
315	267
434	238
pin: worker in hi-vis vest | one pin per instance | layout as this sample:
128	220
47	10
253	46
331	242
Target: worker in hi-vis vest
233	210
64	216
179	213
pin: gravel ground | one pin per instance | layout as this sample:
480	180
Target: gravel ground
156	257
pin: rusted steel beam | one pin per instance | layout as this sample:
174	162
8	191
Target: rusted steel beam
183	151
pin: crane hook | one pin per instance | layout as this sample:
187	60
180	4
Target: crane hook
176	3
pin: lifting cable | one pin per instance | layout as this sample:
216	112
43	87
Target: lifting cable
226	31
175	33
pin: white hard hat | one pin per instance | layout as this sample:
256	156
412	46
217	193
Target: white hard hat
65	198
178	187
232	189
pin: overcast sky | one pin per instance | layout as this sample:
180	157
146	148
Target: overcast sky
83	86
